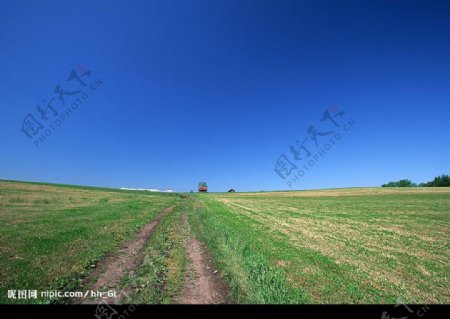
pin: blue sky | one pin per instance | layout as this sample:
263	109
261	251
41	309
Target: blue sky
216	91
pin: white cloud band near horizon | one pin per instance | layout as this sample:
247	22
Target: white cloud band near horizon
147	189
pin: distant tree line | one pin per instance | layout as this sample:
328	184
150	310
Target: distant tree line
400	183
439	181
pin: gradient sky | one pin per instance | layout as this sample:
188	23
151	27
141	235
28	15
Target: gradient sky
216	91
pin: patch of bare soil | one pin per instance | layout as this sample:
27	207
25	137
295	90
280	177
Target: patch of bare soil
202	283
111	269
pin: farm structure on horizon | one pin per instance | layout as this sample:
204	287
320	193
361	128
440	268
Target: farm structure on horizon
202	187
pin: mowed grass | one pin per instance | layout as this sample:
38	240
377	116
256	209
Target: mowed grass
362	245
50	235
367	245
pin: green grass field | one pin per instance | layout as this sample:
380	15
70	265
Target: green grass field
50	235
362	245
331	246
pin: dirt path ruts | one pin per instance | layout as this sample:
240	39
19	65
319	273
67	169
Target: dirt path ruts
113	268
202	284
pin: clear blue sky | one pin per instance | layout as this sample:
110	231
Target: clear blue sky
216	90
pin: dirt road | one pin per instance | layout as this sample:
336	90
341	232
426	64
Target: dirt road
115	266
203	284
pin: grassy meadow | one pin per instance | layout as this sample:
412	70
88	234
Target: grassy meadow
360	245
363	245
50	235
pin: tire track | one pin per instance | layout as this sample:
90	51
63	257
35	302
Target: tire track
202	284
111	269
